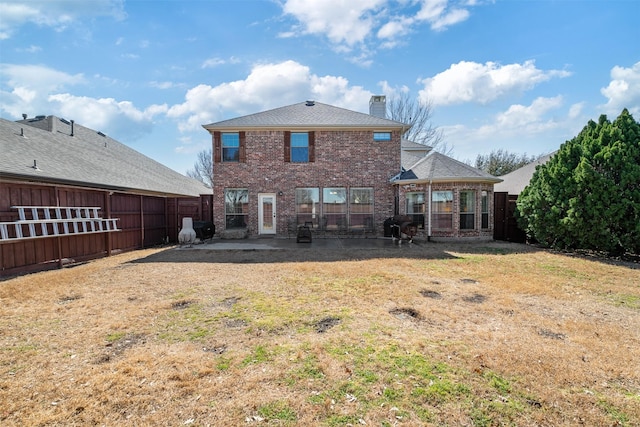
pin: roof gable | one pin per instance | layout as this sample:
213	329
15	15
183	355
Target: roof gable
436	167
87	158
307	115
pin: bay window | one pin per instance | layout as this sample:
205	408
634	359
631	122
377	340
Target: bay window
416	207
442	210
467	210
485	210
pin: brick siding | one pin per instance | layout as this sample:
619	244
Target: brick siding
342	159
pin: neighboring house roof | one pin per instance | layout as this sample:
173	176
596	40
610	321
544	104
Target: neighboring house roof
88	158
307	115
514	182
436	167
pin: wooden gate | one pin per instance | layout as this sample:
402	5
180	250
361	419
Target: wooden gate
505	226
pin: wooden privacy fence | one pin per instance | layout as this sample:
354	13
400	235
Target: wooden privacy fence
50	226
50	221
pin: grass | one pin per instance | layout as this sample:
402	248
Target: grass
516	336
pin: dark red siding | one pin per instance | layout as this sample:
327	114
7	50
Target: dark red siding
144	221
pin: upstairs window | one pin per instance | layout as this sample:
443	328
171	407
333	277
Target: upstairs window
299	147
230	147
381	136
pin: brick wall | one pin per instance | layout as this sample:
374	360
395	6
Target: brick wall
342	159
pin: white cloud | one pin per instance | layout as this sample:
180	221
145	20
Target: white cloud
163	85
523	118
117	118
267	86
538	128
187	146
341	22
452	17
55	14
575	110
31	49
623	91
482	83
440	15
35	90
29	85
350	25
215	62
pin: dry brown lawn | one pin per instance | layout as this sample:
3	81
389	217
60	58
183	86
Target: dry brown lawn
481	334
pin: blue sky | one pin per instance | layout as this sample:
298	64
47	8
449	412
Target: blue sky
518	75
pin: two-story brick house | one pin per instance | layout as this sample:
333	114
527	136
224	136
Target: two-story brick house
339	170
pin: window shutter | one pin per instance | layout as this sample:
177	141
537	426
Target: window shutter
243	152
312	146
217	147
287	146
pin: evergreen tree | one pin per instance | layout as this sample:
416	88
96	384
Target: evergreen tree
587	196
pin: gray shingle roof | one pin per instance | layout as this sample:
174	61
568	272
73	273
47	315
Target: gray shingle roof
302	115
412	152
88	158
436	167
514	182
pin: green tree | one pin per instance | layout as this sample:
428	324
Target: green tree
587	196
501	162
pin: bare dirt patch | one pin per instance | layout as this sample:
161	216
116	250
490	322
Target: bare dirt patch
424	334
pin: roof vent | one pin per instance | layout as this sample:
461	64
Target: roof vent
41	117
65	121
310	103
101	134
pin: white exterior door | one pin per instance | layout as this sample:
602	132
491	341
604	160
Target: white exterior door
267	213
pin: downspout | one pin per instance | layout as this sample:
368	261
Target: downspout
429	209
